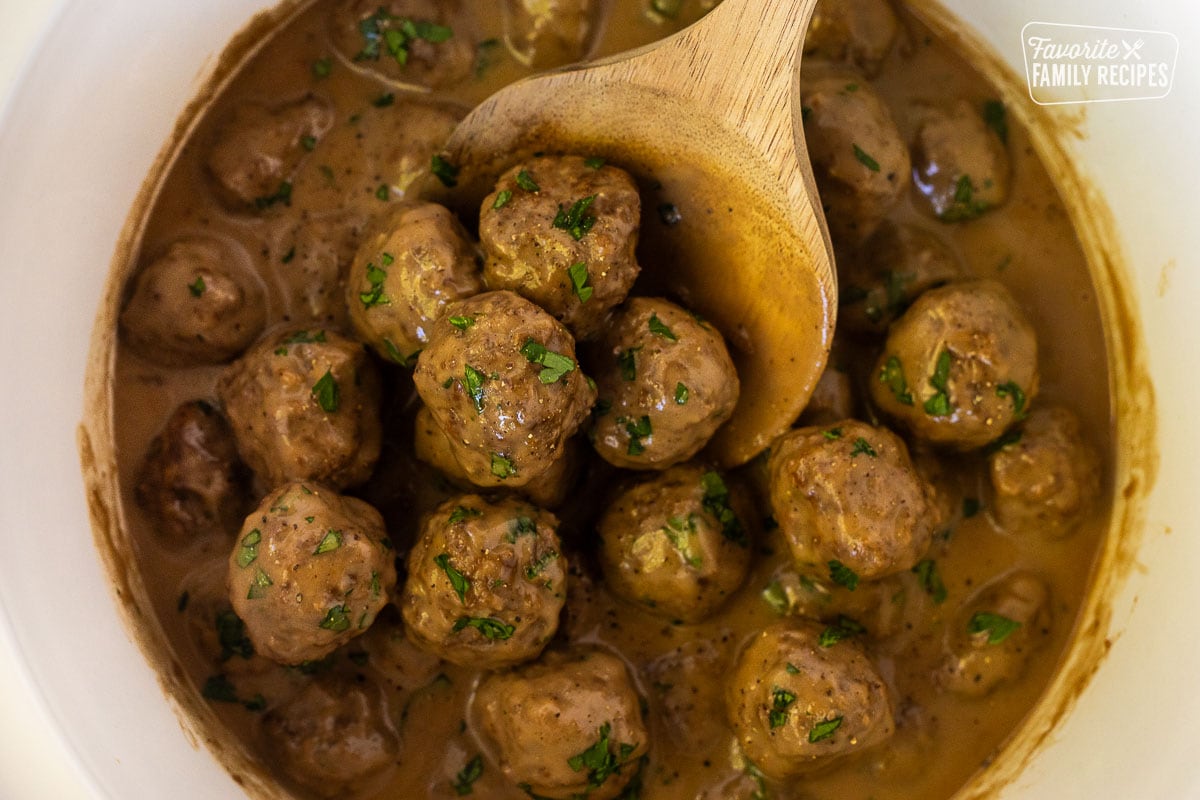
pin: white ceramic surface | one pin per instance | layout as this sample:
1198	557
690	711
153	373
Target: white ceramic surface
80	130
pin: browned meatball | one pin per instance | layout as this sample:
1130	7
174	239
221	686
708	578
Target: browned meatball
500	378
666	383
198	303
486	582
257	151
417	260
882	278
1049	478
561	231
335	737
565	726
797	706
848	493
192	483
309	571
676	543
429	43
304	404
960	366
550	490
551	33
960	165
994	635
316	254
859	159
857	32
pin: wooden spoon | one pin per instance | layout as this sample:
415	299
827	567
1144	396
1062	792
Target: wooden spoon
706	120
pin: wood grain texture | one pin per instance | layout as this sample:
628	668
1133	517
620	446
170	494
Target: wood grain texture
708	121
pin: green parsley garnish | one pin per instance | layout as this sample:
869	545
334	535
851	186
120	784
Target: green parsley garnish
824	730
473	383
865	159
1011	389
892	375
716	502
383	193
249	548
526	181
927	575
258	585
309	143
995	117
939	404
322	67
843	628
463	513
197	286
535	568
599	760
462	322
384	100
679	531
781	701
637	430
502	198
331	541
1010	438
327	393
833	434
489	627
776	597
681	394
385	30
336	619
997	626
842	575
502	468
578	273
861	446
554	365
467	776
595	162
459	582
374	295
575	220
965	206
446	172
282	195
627	363
231	634
659	328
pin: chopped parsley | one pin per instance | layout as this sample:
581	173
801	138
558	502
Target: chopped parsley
489	627
384	100
383	193
502	198
231	634
1011	389
824	730
383	30
679	531
1009	438
781	701
374	295
627	363
282	195
862	446
865	159
327	394
776	597
996	626
929	579
322	68
716	502
939	404
995	117
259	585
535	568
578	273
459	582
466	777
575	220
526	181
446	172
637	429
331	541
309	143
502	467
681	394
833	434
595	162
473	383
248	551
462	322
463	513
842	575
599	760
659	328
336	619
842	628
891	374
965	206
554	365
197	286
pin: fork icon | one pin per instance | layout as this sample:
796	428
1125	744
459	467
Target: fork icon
1132	50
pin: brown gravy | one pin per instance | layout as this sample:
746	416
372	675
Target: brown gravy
941	739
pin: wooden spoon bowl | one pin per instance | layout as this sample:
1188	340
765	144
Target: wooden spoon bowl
706	120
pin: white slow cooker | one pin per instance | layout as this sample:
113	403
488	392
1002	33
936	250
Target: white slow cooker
92	88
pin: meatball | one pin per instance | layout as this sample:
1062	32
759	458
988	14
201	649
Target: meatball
859	159
1049	478
416	261
550	490
486	582
317	253
960	366
960	165
797	705
256	153
192	483
891	269
857	32
309	571
427	43
333	738
676	543
666	383
561	231
565	726
499	377
551	33
994	635
198	303
304	405
848	494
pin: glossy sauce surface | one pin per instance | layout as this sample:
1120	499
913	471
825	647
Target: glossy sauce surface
375	149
